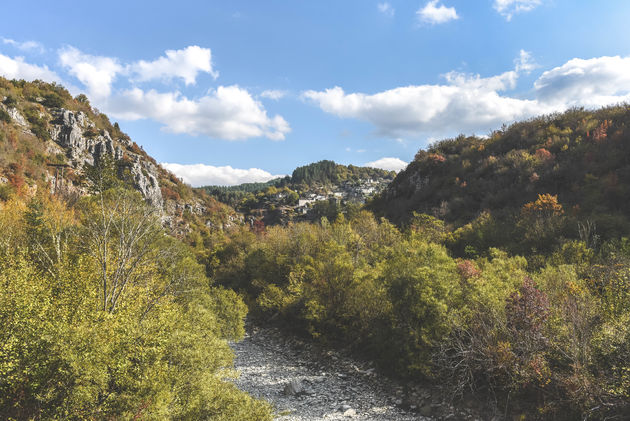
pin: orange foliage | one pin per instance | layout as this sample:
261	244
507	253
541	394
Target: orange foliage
467	269
544	155
170	194
601	133
436	158
546	205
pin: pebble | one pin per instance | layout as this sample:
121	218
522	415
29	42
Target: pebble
273	366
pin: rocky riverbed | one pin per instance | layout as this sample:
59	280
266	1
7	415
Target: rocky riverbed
306	383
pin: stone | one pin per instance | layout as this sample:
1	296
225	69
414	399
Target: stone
17	117
350	413
293	388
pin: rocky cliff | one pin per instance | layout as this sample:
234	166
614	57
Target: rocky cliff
85	144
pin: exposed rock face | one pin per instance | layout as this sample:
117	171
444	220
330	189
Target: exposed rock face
145	179
16	116
68	129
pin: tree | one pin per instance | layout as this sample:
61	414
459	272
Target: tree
121	233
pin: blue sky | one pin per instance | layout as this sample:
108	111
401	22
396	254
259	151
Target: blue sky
228	92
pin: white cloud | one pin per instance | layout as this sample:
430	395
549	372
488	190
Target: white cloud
467	103
97	73
435	13
229	112
274	94
509	8
184	64
386	9
389	164
199	175
593	83
525	63
17	68
24	45
472	104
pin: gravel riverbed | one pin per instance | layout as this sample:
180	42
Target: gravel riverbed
306	383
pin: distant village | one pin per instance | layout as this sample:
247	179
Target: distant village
282	207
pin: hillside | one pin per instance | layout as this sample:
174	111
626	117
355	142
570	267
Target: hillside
49	140
323	188
581	158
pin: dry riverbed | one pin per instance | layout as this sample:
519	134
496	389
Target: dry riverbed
306	383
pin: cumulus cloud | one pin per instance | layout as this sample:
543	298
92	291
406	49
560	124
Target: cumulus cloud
509	8
471	103
465	103
184	64
229	112
387	163
594	82
435	13
17	68
386	9
24	45
199	175
97	73
274	94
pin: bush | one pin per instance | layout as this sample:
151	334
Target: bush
10	101
4	116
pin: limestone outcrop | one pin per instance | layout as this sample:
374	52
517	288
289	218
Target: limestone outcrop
83	144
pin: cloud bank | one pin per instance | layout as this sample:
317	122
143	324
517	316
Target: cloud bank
198	175
226	112
389	164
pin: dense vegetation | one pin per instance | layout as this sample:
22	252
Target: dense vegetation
328	172
446	294
550	343
103	316
479	185
234	195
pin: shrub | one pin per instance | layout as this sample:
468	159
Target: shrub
4	116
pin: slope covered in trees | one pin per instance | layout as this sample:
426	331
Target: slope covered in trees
328	172
580	157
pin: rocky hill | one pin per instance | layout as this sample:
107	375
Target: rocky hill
49	140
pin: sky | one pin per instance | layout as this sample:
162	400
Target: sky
240	91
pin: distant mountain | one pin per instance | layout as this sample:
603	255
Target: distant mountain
312	191
50	140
